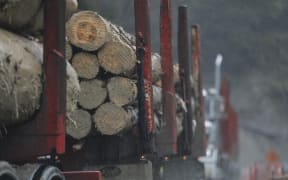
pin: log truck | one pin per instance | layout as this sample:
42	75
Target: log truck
40	149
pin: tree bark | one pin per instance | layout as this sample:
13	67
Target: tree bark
37	23
156	67
157	98
111	119
73	89
122	91
68	51
18	13
71	8
158	106
78	124
93	93
176	78
86	65
21	79
28	15
87	30
119	34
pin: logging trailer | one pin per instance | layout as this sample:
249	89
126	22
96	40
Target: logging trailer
40	149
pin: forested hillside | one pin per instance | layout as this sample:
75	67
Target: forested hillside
253	37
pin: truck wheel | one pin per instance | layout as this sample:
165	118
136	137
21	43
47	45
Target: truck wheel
7	172
51	173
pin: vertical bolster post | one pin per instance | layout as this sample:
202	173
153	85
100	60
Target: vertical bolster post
143	41
199	136
54	69
185	77
167	139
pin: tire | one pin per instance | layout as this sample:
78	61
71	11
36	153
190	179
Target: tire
51	173
7	172
39	172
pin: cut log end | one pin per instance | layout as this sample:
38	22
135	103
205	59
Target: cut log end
86	65
87	30
111	119
93	93
78	124
122	91
117	58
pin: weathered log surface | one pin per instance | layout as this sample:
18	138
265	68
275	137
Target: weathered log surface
18	13
36	24
87	30
119	34
158	106
68	51
111	119
71	8
73	89
176	78
156	67
28	15
122	91
78	124
86	65
20	77
117	57
157	97
93	93
180	113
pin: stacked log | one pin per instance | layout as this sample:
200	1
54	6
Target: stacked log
105	61
104	58
122	91
21	79
78	124
93	94
28	15
86	65
21	75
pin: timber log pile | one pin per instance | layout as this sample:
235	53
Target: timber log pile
103	55
101	71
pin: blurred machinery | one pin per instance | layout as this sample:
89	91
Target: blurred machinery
221	125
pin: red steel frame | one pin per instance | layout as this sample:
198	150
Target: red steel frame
46	133
142	28
185	77
229	124
167	140
83	175
199	137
